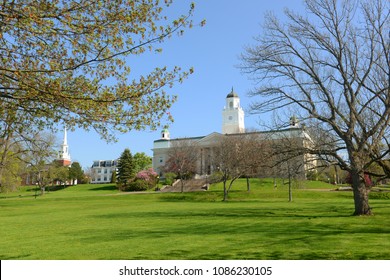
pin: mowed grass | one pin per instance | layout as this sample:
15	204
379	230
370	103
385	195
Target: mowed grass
98	222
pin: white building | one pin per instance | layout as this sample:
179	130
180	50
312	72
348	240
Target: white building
232	126
102	170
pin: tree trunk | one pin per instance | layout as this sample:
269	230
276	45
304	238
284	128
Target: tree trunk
360	195
248	187
225	191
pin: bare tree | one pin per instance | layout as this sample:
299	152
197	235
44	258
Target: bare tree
226	159
238	155
39	156
183	155
333	65
287	157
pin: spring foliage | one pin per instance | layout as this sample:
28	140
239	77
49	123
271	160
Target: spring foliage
66	62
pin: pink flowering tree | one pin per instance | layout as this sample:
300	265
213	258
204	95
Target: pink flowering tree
149	176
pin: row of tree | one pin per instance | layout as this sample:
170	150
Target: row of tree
30	159
284	153
236	156
53	175
134	173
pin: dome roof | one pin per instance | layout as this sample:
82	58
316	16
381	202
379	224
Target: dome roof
232	94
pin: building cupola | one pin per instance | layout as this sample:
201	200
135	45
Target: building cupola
232	94
165	134
294	121
232	115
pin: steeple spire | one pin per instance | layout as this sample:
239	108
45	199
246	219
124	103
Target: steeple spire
63	153
65	142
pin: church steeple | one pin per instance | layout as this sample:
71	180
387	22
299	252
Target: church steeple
63	154
65	142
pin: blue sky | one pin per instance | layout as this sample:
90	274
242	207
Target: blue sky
213	51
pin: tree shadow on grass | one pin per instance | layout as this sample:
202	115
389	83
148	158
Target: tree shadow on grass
104	188
56	188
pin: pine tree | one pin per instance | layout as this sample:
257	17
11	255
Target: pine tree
126	168
76	172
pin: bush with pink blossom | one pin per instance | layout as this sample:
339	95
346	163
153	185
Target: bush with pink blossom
149	176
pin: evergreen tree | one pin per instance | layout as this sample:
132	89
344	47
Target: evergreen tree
76	172
126	168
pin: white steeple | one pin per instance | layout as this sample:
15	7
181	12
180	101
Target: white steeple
63	154
65	142
233	115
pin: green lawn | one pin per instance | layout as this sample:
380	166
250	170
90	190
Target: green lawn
98	222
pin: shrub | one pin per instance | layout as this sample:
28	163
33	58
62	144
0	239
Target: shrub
149	176
215	177
312	175
169	178
121	186
135	186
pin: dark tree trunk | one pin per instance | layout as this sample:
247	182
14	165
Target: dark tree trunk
225	191
289	188
360	195
182	185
